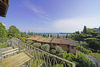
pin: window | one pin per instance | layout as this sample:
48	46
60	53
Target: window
72	47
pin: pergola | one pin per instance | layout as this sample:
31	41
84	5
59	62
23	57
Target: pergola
4	4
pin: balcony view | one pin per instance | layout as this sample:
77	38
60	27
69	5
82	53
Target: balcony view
49	33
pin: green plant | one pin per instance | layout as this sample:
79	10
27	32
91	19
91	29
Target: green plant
3	33
13	31
45	47
29	42
53	51
38	45
59	49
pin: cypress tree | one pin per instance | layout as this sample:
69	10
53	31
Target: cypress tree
85	30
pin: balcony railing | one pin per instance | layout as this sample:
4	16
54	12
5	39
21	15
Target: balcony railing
40	58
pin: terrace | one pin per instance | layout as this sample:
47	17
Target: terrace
29	56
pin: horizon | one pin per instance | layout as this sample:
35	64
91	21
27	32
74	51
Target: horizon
62	16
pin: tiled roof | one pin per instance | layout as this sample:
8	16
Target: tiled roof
53	40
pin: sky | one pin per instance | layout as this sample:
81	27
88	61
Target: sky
52	15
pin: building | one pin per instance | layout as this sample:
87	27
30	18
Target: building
4	4
67	45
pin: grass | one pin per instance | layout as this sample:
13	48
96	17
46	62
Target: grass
96	55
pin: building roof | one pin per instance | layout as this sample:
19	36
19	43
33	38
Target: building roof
35	38
4	4
53	40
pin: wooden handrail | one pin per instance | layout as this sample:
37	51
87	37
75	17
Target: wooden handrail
73	64
10	51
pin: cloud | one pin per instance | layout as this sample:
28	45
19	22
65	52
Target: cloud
67	25
37	10
75	24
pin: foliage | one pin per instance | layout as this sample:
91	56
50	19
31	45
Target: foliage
85	29
93	43
53	51
3	33
29	42
45	47
38	45
84	50
59	65
77	37
96	55
23	39
23	34
13	31
3	45
59	49
83	61
88	38
80	47
90	31
30	33
83	43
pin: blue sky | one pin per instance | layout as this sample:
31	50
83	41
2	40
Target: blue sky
52	15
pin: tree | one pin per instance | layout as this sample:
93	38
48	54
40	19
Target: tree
85	30
45	47
58	35
94	43
23	34
84	44
3	33
30	33
13	31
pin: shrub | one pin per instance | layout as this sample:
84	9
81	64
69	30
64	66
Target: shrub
29	42
96	55
83	60
38	45
53	51
84	50
3	45
45	47
59	49
84	44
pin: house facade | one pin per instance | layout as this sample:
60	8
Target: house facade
67	45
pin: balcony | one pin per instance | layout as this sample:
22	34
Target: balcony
29	56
